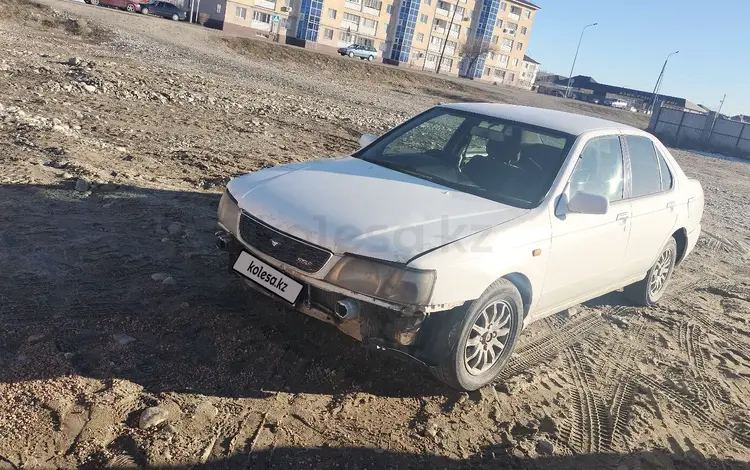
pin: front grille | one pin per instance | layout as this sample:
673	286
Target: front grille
283	247
325	299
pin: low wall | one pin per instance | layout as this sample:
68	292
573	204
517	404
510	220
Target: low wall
706	131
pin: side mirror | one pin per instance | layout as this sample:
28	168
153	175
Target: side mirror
588	203
366	140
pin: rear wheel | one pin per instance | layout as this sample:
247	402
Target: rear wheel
351	54
479	340
143	10
369	58
95	2
651	288
175	17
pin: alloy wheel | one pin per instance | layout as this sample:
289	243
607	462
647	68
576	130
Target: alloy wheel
487	338
660	273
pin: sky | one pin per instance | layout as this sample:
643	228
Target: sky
633	37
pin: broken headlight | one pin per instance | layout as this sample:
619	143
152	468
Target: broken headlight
383	280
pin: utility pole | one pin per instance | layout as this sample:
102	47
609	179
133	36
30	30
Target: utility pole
447	35
570	78
716	116
659	80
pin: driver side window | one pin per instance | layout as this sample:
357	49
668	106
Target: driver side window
431	135
599	169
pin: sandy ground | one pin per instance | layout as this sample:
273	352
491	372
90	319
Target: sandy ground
110	174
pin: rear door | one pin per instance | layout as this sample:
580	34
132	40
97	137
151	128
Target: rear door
653	199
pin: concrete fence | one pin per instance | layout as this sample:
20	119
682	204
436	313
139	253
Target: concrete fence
706	131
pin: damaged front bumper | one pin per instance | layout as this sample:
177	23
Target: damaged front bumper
380	325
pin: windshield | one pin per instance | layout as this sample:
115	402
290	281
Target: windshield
502	160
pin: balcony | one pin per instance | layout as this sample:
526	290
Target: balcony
438	30
367	31
453	34
352	6
265	4
435	47
441	12
259	25
348	25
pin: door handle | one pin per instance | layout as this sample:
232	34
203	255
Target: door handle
670	205
623	216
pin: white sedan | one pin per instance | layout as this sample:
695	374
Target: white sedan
444	238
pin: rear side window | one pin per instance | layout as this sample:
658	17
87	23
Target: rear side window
666	175
644	165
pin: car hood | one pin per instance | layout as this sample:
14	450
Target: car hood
348	205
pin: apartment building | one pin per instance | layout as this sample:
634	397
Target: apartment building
528	73
412	33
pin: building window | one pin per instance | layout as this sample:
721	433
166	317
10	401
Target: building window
515	62
423	18
523	74
350	18
374	4
328	33
261	17
468	32
503	60
471	13
218	8
524	30
519	46
492	55
436	41
370	24
507	44
331	13
240	12
495	39
499	23
515	11
385	27
428	2
503	6
527	13
388	8
420	37
346	37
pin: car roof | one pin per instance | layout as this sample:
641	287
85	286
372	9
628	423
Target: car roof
570	123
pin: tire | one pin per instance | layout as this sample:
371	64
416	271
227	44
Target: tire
144	11
175	17
95	3
464	366
369	58
351	54
130	7
644	292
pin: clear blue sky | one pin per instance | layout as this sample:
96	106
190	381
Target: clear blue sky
633	38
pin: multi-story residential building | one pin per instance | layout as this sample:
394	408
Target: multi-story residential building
414	33
528	73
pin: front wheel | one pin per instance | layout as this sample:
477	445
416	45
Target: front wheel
130	8
650	289
351	54
369	58
95	2
143	10
175	17
478	340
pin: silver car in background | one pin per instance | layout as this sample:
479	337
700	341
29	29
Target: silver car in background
359	50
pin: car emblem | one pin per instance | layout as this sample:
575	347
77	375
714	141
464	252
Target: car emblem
274	243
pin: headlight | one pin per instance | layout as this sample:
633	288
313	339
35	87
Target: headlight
385	281
229	211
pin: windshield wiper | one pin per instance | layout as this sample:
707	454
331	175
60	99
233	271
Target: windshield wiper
399	167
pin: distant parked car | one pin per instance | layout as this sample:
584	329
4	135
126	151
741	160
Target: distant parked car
129	5
165	10
358	50
619	104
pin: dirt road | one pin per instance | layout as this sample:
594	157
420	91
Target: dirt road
113	299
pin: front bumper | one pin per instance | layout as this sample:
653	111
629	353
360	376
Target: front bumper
395	329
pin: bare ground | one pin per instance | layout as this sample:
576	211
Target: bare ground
110	173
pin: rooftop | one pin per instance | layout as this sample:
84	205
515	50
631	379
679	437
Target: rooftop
529	59
527	4
561	121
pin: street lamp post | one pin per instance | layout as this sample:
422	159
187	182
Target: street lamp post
659	80
570	79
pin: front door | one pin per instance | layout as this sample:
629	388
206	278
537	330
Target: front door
653	204
588	250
